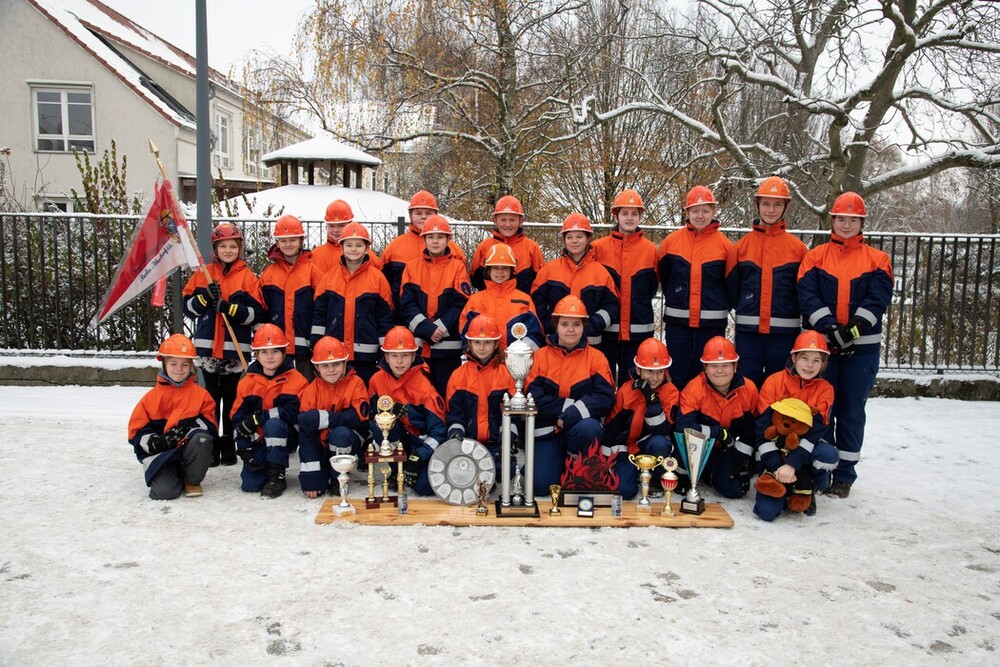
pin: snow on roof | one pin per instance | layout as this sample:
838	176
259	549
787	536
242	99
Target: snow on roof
321	148
90	23
309	202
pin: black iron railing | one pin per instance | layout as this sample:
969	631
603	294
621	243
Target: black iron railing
54	270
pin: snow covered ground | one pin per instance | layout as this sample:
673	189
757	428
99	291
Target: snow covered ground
905	571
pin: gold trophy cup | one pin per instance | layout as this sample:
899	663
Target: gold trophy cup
669	481
554	491
645	463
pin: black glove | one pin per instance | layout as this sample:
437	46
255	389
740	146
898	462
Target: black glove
228	308
246	455
176	435
411	469
725	439
248	426
456	434
647	391
841	336
157	443
399	409
215	291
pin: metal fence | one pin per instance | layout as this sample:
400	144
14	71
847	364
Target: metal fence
54	270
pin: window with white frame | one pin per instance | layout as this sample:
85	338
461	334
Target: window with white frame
223	139
252	150
64	119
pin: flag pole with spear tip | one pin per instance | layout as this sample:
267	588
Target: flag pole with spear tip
201	262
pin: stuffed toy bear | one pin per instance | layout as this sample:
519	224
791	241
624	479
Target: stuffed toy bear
791	419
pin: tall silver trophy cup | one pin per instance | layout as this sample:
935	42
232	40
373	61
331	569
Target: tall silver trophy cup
519	360
343	464
696	452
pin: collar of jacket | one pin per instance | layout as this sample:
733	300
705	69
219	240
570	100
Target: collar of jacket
710	228
769	230
492	360
446	257
365	262
588	256
738	381
505	287
286	365
553	340
848	244
507	239
627	238
163	378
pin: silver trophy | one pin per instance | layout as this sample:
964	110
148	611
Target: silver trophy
518	365
343	464
695	452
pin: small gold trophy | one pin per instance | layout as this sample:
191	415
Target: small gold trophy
645	463
554	491
482	493
669	481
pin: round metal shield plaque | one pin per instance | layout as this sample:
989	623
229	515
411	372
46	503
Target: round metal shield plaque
455	469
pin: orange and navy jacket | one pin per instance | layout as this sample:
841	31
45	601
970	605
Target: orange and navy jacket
817	393
277	396
323	406
402	250
762	285
356	308
632	421
241	288
631	261
842	280
704	409
163	407
327	256
288	297
694	267
475	399
528	254
587	280
508	305
424	420
570	385
433	293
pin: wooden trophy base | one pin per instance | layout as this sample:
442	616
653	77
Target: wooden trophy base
517	511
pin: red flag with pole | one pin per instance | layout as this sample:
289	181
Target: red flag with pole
159	245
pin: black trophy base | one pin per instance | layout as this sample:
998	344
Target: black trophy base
689	507
516	510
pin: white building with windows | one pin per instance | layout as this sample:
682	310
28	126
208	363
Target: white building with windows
78	74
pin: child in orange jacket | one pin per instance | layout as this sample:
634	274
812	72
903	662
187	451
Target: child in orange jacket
333	417
173	426
233	293
435	288
809	464
476	389
630	258
762	285
642	420
502	300
419	409
266	412
721	403
694	266
286	284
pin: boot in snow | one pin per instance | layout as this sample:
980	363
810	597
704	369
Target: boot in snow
275	481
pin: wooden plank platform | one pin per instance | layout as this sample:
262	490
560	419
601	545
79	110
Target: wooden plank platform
433	512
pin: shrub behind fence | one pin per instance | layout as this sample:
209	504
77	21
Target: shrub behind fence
54	270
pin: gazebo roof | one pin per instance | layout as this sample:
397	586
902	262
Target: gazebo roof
321	149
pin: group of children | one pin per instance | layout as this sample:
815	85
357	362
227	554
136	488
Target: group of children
409	325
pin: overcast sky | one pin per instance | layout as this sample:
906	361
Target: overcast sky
234	26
